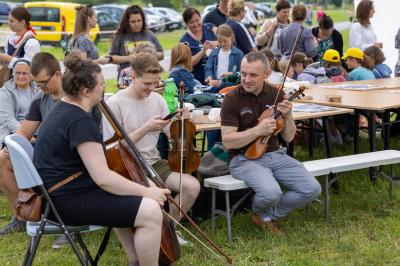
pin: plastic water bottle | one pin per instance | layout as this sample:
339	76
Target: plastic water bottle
171	95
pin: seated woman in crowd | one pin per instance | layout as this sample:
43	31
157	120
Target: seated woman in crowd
276	75
306	42
327	37
200	38
15	97
181	67
223	61
360	64
99	195
380	70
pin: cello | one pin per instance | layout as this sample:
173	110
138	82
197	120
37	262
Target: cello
260	145
124	158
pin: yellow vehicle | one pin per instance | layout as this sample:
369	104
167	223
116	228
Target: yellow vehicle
54	22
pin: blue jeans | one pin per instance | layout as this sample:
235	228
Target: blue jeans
264	175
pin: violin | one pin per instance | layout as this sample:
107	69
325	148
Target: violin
124	158
260	145
183	155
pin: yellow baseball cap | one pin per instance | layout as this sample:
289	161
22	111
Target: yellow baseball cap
331	55
354	52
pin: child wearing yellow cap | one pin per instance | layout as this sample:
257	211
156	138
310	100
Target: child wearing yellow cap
360	64
333	66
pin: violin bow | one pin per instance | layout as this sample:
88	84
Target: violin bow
290	61
181	94
119	130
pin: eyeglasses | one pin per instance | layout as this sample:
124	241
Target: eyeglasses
43	84
17	74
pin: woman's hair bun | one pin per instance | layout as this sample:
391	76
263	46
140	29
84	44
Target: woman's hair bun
74	60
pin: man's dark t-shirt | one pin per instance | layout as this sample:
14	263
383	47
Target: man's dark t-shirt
215	17
56	157
242	109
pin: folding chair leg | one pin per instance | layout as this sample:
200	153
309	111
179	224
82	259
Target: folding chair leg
86	252
73	245
28	251
34	247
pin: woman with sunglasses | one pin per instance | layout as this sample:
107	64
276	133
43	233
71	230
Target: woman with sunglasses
21	43
200	38
131	32
86	20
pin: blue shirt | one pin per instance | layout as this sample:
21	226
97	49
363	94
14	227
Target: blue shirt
196	46
361	73
243	39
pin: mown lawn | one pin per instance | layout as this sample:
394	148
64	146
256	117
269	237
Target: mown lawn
364	229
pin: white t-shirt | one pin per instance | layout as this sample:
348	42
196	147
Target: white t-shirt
223	62
361	37
133	113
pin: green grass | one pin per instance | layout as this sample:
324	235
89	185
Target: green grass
364	229
345	35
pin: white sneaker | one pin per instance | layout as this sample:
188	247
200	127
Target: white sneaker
181	240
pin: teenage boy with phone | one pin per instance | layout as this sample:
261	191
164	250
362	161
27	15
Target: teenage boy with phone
144	114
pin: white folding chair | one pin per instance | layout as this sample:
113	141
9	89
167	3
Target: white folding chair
21	154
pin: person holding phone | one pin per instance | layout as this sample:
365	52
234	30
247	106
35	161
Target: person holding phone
200	38
144	115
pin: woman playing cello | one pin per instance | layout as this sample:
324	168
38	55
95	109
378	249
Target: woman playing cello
69	141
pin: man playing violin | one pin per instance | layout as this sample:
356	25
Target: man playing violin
141	111
239	126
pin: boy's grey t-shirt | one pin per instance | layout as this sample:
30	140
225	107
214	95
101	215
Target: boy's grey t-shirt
125	44
40	107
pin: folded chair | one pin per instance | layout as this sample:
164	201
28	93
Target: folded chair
21	154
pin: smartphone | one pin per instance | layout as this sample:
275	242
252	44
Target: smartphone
168	117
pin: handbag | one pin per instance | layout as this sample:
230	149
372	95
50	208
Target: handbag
5	72
29	203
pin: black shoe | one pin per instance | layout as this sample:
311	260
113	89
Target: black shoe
14	226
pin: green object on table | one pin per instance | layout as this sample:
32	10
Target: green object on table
171	95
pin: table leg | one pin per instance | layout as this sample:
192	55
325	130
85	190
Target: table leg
386	129
356	131
372	130
311	126
373	171
327	141
213	195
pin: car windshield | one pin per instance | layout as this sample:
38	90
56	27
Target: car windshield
44	14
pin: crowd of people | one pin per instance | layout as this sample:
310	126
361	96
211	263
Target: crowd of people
58	111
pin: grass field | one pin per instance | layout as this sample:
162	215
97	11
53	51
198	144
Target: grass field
364	229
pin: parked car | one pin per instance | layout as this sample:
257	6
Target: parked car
5	8
208	9
116	11
107	24
173	19
266	8
54	22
